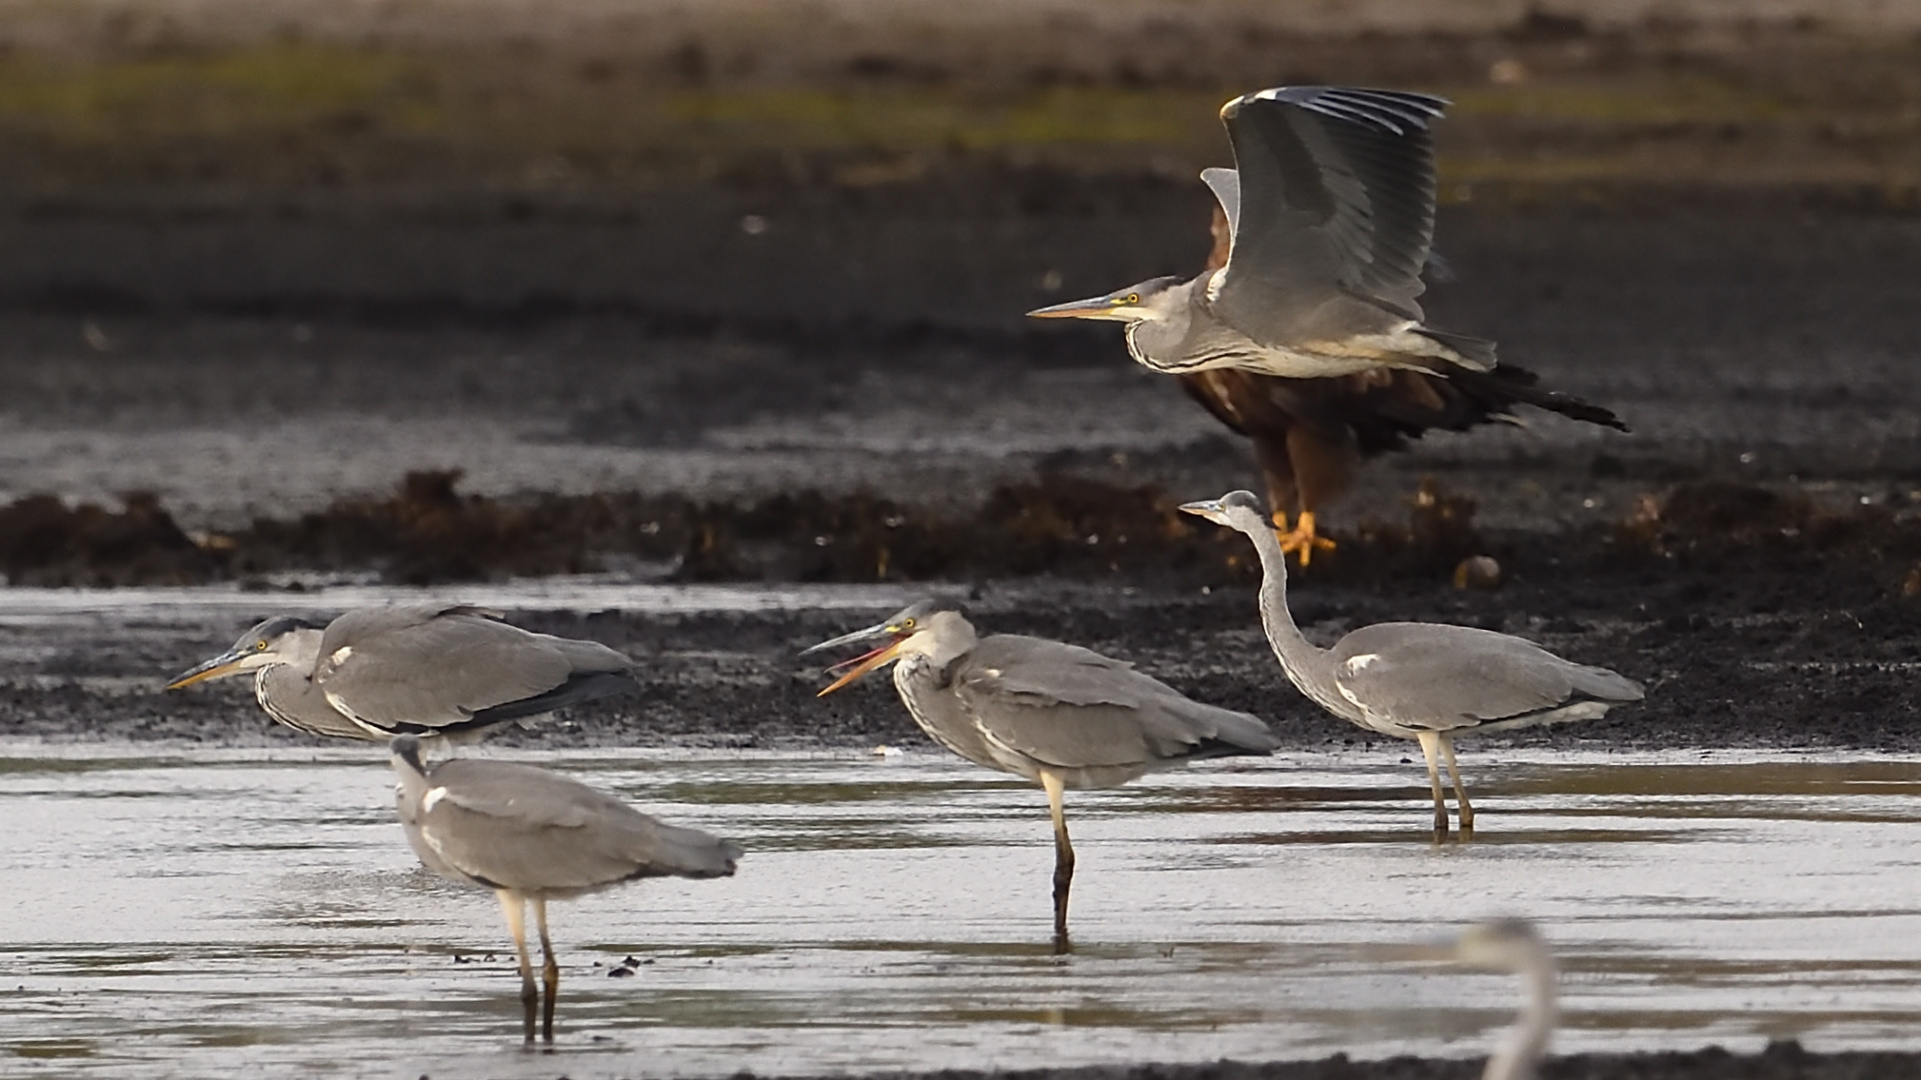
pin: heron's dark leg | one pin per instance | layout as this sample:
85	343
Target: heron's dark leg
1063	858
1462	807
511	904
1430	743
550	971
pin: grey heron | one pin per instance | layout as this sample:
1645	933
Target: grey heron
1331	210
532	836
1513	946
421	669
1059	715
1423	681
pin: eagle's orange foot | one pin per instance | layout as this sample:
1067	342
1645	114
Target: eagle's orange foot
1301	539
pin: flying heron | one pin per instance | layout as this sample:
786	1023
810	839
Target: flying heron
532	836
1310	435
1059	715
419	669
1331	207
1424	681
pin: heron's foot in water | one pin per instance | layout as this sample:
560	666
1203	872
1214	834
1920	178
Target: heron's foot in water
1301	540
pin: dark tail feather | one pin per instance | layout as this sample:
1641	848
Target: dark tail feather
1519	384
1476	351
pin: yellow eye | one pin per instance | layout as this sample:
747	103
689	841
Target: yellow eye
908	625
1133	298
259	646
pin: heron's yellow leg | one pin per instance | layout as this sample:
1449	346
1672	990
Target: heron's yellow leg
1063	856
1301	540
516	912
1462	808
550	971
1430	744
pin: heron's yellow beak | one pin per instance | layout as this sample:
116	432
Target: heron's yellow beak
1095	307
864	663
1207	508
227	663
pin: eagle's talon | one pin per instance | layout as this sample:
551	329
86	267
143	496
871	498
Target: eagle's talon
1301	540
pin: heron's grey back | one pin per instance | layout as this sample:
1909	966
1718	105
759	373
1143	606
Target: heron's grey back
1440	677
1068	707
433	667
520	827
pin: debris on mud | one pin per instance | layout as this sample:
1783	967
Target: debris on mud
45	542
1715	522
428	532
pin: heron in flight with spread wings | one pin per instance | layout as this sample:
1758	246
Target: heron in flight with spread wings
413	669
1057	714
1311	435
1331	209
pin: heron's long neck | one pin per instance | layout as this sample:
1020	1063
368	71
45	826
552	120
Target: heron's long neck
1521	1054
1304	662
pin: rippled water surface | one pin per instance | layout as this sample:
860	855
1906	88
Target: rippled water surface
191	913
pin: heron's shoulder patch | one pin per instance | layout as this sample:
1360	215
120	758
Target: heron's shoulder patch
433	796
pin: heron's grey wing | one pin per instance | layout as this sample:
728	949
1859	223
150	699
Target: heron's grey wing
440	673
1336	209
517	826
1226	186
1070	707
1441	678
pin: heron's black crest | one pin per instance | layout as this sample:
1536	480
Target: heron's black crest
921	610
407	749
1242	498
283	624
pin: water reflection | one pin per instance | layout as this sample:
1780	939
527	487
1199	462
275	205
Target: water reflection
192	912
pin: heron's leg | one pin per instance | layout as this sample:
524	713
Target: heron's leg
1063	857
516	911
1462	808
1431	742
550	971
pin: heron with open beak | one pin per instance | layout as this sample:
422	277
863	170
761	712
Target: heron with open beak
1059	715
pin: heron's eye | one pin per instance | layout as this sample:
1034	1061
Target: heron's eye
907	624
1132	298
260	646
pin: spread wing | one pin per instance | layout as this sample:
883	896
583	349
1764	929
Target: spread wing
1335	209
1443	678
1070	707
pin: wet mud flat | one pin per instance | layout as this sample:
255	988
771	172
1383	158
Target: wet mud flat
1235	910
341	354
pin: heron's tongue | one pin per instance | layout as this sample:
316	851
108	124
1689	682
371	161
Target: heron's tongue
861	665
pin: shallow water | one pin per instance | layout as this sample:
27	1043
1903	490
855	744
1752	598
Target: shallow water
196	913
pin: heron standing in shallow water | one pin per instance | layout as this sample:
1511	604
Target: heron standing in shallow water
532	836
1423	681
1059	715
414	669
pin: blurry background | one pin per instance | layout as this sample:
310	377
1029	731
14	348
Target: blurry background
261	256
